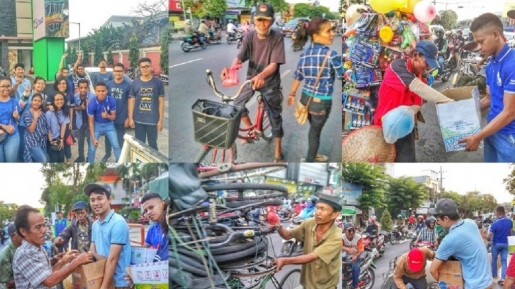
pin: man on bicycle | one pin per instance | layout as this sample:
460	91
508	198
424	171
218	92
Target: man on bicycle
428	234
411	268
321	258
263	47
352	246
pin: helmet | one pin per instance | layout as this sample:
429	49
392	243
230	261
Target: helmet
430	220
313	199
448	33
420	217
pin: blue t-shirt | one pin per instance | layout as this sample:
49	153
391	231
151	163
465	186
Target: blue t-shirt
157	239
120	92
501	230
6	113
96	107
82	115
21	88
147	93
113	230
500	78
101	77
54	120
464	242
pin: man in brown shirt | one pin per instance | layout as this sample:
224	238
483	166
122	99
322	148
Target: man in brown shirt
321	258
411	268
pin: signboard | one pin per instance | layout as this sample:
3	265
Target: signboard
174	6
57	23
312	181
38	19
233	3
351	193
508	5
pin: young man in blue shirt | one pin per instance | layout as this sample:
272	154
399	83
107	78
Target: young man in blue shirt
109	236
81	116
101	116
499	133
464	243
157	235
119	88
500	230
59	226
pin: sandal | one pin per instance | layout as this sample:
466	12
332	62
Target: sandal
321	158
279	159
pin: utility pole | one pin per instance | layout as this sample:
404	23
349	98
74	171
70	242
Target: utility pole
441	180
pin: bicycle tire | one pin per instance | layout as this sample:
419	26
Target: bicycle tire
240	168
241	203
220	259
283	280
265	117
245	186
235	248
230	158
187	267
388	283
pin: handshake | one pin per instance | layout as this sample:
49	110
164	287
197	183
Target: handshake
72	257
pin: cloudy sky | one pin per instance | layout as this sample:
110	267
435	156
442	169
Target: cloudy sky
93	13
468	9
461	178
21	184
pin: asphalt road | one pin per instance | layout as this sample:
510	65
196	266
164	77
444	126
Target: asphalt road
382	263
430	147
188	71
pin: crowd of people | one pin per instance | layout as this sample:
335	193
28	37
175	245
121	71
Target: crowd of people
25	263
41	126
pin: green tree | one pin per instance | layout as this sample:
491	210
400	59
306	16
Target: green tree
7	212
372	179
386	221
134	51
448	19
340	6
279	5
203	8
109	59
319	11
301	10
99	55
72	57
405	193
509	181
163	61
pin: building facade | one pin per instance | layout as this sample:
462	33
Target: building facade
15	33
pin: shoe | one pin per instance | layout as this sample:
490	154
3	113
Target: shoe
500	282
105	158
321	158
302	160
279	159
79	160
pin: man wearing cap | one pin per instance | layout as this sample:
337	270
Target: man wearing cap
352	246
6	259
79	231
499	133
109	236
321	259
464	243
263	47
59	225
404	85
411	268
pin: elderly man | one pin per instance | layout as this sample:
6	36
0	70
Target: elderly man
6	259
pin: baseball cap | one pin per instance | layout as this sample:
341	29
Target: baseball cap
348	226
11	229
264	10
97	186
331	200
415	260
444	207
80	205
429	50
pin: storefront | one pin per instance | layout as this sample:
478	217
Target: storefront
290	185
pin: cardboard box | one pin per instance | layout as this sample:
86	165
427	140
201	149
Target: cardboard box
450	275
460	118
149	275
141	255
90	276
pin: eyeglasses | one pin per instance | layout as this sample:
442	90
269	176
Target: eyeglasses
146	66
5	86
117	70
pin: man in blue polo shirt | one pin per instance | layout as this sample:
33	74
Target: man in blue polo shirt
109	236
157	235
464	243
500	230
499	134
101	116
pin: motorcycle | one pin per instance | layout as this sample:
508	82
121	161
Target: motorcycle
284	214
366	276
194	41
240	40
398	234
369	245
214	38
233	36
290	246
414	236
468	73
164	78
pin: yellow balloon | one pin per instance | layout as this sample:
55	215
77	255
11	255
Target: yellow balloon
400	4
381	6
410	7
386	34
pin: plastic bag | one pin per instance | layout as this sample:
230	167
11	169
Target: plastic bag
232	77
398	123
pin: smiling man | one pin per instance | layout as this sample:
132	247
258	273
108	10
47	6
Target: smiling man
157	235
110	236
321	258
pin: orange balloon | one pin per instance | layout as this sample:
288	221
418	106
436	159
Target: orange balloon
410	7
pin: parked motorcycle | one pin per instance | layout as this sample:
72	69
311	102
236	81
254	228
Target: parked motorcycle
164	78
290	246
194	41
468	73
399	233
366	276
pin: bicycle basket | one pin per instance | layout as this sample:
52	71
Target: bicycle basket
216	124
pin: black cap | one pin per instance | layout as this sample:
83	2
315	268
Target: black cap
348	226
331	200
11	229
264	10
97	186
444	207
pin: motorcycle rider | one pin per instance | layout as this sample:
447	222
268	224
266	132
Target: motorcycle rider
428	234
231	30
373	229
187	28
352	245
442	45
411	268
421	224
310	208
301	35
411	220
459	41
203	29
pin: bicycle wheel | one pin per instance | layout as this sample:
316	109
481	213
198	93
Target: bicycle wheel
210	155
266	126
290	280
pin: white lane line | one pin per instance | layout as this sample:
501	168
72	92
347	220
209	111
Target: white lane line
253	100
175	65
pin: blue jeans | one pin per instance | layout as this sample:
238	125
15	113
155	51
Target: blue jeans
142	132
355	273
21	147
38	154
499	147
109	131
9	149
441	60
496	250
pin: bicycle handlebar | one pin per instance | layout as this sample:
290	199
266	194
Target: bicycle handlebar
211	82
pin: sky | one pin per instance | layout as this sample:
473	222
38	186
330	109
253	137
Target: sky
462	178
471	8
93	13
22	184
331	4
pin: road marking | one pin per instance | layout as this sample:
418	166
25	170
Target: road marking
175	65
253	100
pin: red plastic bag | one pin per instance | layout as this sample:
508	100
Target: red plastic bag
232	77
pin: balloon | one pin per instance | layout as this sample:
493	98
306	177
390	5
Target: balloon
399	4
386	34
381	6
425	11
398	123
352	13
410	7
